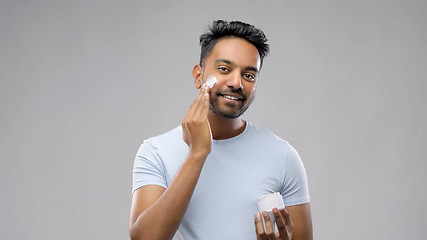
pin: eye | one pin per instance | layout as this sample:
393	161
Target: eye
249	77
223	69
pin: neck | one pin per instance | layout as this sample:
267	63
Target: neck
224	128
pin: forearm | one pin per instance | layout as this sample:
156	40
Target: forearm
162	218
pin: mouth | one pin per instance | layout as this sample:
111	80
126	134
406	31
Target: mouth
232	97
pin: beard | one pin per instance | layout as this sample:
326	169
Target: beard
222	111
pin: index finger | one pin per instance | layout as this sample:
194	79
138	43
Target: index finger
197	102
203	105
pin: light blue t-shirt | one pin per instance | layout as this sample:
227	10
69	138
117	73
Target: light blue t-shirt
237	171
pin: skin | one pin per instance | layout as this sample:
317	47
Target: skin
156	212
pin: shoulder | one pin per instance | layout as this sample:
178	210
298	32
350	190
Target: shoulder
270	143
170	138
265	135
172	135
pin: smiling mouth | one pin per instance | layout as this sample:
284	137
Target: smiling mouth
232	97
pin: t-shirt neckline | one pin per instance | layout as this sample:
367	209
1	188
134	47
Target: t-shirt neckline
235	137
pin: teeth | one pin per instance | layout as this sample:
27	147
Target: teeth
230	97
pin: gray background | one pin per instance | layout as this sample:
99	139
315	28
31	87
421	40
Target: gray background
82	83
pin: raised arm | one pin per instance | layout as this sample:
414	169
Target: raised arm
156	212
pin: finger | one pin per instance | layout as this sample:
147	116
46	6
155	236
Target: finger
268	226
204	107
205	88
207	95
201	97
286	217
185	132
193	108
283	233
202	110
259	227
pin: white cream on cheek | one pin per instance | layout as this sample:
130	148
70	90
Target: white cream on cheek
211	80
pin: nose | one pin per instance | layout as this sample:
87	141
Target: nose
235	81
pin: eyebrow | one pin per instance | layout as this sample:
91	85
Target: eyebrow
222	60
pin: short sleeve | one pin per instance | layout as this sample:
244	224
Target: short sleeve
295	185
148	167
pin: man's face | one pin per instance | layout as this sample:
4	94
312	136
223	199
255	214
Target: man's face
235	63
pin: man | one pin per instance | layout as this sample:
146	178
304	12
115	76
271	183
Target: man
202	180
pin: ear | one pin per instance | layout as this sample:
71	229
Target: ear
197	75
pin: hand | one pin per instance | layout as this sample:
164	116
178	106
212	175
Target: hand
284	225
196	130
